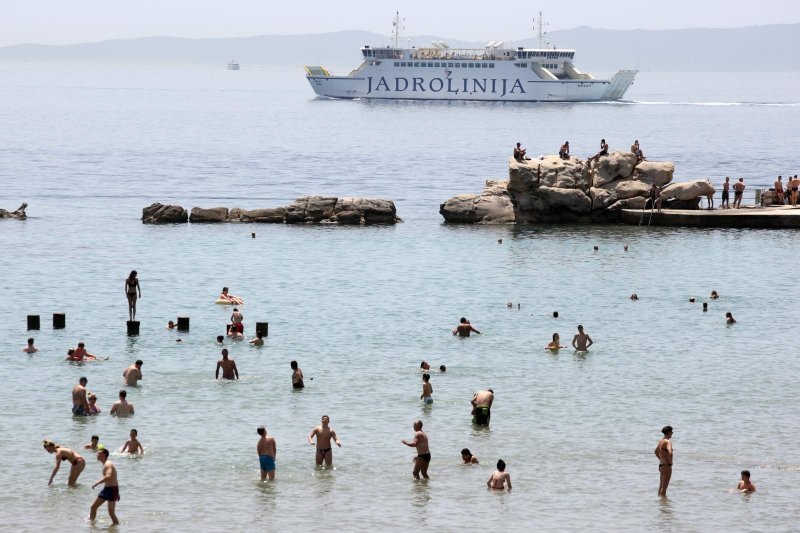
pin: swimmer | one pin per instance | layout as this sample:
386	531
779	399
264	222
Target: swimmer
442	369
499	478
554	345
427	389
297	376
80	353
464	328
714	295
692	300
80	403
133	446
65	454
121	407
634	296
133	373
729	318
236	320
424	366
625	247
30	348
324	434
266	449
220	339
581	341
93	409
510	305
131	286
423	458
93	443
467	458
259	340
228	367
745	485
171	325
664	453
229	297
110	492
482	407
596	248
234	333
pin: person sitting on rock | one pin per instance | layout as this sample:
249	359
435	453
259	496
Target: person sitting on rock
637	151
519	153
564	152
603	151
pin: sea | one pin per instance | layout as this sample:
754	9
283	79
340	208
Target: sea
87	146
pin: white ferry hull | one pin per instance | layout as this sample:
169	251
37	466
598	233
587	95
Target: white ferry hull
422	86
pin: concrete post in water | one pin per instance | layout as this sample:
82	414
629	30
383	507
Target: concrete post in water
263	327
59	320
33	322
133	327
183	323
253	234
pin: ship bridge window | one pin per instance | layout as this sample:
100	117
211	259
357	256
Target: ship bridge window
491	65
449	65
416	63
470	65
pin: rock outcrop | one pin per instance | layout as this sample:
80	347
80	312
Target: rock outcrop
305	210
18	214
551	189
164	214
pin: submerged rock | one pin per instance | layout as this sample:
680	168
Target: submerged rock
164	214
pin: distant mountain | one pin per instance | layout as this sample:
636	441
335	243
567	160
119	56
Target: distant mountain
752	49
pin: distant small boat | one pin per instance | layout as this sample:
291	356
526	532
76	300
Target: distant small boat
233	65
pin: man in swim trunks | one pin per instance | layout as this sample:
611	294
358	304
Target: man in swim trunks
236	320
779	190
519	153
133	373
427	389
738	192
297	376
110	492
482	407
664	453
603	151
121	407
726	193
30	348
80	402
581	341
745	485
464	328
563	153
499	477
423	458
80	353
794	184
228	366
324	434
267	450
133	446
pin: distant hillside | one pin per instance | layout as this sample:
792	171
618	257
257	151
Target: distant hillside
752	49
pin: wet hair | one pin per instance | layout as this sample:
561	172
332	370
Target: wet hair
259	334
442	368
418	422
490	390
235	309
293	364
746	473
666	429
602	140
224	289
81	345
135	433
501	465
555	314
728	315
139	362
220	338
261	430
580	326
423	364
325	416
466	451
30	341
692	299
48	443
123	393
555	336
70	352
426	377
95	437
596	248
463	320
103	452
132	275
83	378
224	352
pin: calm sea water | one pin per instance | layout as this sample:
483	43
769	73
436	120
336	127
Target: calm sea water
88	146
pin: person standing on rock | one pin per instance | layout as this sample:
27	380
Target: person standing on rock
581	341
738	192
131	286
726	193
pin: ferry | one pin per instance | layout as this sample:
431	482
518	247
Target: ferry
494	73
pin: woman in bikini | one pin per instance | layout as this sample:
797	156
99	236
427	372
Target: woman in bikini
554	345
65	454
231	298
131	286
93	409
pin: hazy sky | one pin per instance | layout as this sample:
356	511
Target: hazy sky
72	21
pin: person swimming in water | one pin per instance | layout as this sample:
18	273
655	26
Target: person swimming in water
427	389
229	297
30	348
554	345
729	318
499	478
133	446
464	328
65	454
94	442
745	485
467	458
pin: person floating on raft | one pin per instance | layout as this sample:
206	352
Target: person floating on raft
228	299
